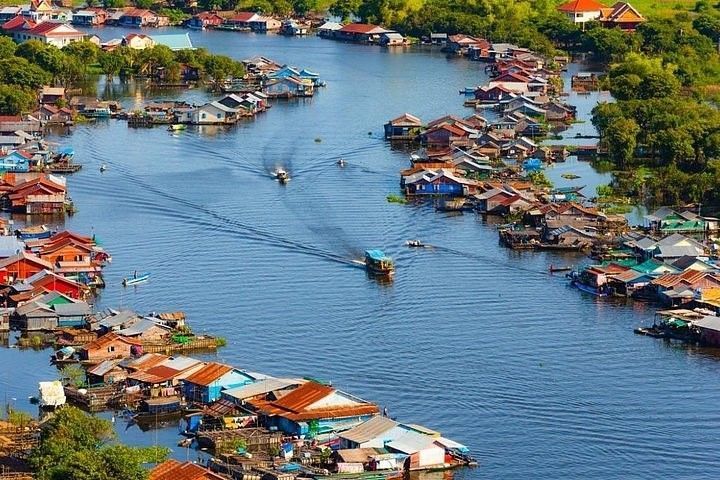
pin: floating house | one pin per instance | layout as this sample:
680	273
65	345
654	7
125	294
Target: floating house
360	33
267	388
405	127
422	452
16	161
207	383
204	20
138	17
313	409
110	346
288	87
375	433
328	29
90	17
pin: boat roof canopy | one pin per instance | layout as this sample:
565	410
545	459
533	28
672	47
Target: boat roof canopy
376	254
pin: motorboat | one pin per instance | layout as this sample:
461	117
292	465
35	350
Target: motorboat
414	244
378	263
136	279
341	163
176	127
282	176
103	167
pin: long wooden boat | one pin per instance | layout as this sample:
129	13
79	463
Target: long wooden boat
136	279
378	263
34	233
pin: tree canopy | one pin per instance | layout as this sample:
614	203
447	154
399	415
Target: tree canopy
76	445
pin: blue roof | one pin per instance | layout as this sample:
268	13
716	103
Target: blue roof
174	41
376	254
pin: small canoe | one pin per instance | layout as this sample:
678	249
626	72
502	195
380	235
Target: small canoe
559	269
467	91
136	279
35	233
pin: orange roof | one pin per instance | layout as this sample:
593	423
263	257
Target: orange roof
208	374
294	405
689	277
621	12
304	396
581	6
175	470
148	361
108	339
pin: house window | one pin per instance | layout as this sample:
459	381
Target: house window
203	116
111	349
219	116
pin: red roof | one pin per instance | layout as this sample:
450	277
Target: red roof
243	16
208	374
10	118
139	12
456	131
17	23
363	28
174	470
581	6
133	35
304	396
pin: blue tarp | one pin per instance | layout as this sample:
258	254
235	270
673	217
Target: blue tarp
532	165
376	254
66	151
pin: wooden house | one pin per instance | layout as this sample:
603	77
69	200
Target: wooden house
106	372
21	266
404	127
72	315
138	41
110	346
138	17
90	17
206	384
147	331
493	94
48	281
288	87
204	20
38	195
53	115
34	316
313	408
360	33
621	15
443	135
75	337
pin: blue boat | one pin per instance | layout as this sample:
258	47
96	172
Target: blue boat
588	289
468	91
378	263
136	279
34	233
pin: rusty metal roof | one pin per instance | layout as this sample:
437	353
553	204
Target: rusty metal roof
303	396
208	374
174	470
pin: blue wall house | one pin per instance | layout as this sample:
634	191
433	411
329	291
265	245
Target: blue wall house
15	161
206	384
287	87
72	314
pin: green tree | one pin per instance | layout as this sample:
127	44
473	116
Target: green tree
30	50
111	64
75	445
7	47
708	25
15	100
620	137
641	77
219	68
146	4
86	52
73	375
18	71
345	8
303	7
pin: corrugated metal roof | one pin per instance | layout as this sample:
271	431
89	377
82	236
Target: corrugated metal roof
260	388
72	309
709	323
369	430
209	374
358	455
174	470
412	442
304	396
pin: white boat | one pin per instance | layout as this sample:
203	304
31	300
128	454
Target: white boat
136	279
414	243
103	167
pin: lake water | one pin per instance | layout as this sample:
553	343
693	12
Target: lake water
471	339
